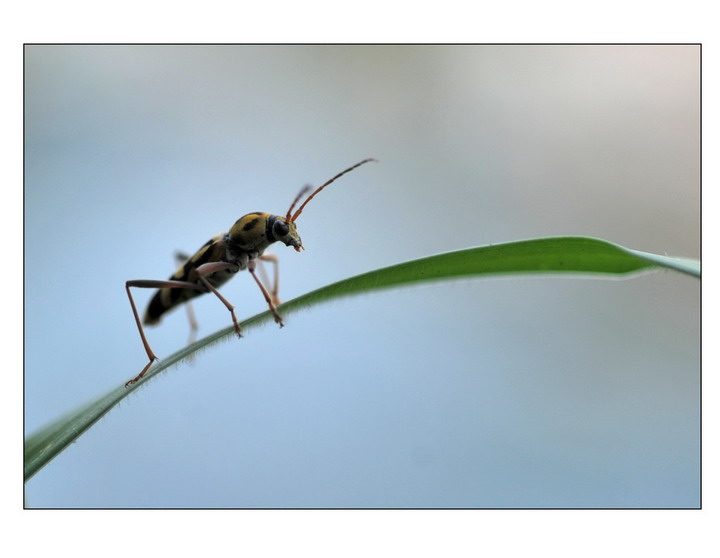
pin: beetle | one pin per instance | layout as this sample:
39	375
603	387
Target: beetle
219	259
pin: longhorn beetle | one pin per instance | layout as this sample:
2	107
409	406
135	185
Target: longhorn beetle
219	259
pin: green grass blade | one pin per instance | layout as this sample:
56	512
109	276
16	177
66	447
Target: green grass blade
559	255
44	444
684	265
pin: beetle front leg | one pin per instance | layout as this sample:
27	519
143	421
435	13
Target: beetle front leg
266	294
275	285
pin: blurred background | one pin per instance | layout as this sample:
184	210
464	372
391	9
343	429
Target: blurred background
533	392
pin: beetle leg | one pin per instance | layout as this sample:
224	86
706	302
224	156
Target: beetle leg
209	269
266	294
150	284
181	258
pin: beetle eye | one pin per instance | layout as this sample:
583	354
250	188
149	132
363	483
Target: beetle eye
281	228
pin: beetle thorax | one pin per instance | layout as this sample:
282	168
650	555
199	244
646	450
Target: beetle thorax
249	237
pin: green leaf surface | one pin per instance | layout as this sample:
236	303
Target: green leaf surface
559	255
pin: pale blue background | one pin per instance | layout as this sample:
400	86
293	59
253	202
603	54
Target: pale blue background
539	392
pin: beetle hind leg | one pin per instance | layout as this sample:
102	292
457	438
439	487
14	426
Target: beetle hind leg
150	284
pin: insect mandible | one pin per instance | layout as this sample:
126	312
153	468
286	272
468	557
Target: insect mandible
219	259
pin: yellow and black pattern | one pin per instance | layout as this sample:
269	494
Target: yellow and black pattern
250	230
254	232
165	300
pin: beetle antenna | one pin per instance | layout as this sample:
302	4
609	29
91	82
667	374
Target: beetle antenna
316	192
305	190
